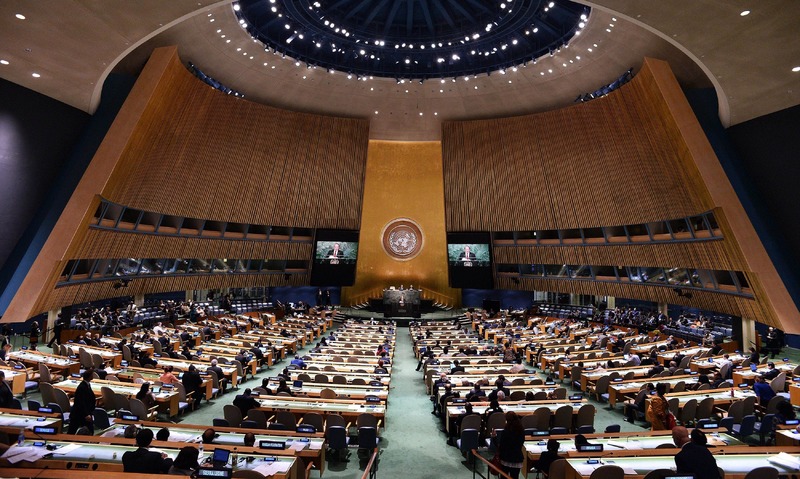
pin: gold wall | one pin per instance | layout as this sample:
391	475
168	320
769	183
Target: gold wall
403	180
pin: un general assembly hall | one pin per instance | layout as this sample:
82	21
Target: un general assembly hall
417	239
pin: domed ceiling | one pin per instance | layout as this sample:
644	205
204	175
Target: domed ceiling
413	39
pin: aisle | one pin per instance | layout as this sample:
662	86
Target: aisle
413	445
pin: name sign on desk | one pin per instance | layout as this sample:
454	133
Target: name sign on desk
590	448
205	472
44	430
709	425
306	429
272	444
372	399
48	410
130	417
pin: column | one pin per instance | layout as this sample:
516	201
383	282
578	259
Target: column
52	315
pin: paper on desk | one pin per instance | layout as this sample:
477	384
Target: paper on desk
282	466
181	436
624	445
533	448
31	454
585	469
66	449
630	470
267	469
298	446
315	446
785	460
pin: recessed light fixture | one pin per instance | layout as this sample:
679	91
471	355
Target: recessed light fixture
35	75
745	13
795	69
20	16
4	62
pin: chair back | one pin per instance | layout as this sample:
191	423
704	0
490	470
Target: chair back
328	393
121	402
366	420
705	409
736	411
764	472
62	399
558	469
312	419
334	420
468	440
321	378
367	437
772	405
232	414
688	412
258	417
136	406
543	415
779	383
336	437
287	418
608	471
563	417
496	420
679	387
44	374
107	395
585	415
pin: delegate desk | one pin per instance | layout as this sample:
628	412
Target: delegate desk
113	358
343	391
61	364
167	400
625	441
667	356
183	365
747	376
522	408
534	388
94	453
203	354
711	364
589	378
722	397
16	378
645	348
154	375
736	466
289	345
233	346
310	446
620	390
349	377
346	367
12	420
348	409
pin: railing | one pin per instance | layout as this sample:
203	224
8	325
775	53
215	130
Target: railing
371	471
490	467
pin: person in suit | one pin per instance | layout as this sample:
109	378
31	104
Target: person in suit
245	402
694	458
548	457
57	327
144	461
83	404
220	375
771	373
6	396
457	368
335	253
193	384
466	256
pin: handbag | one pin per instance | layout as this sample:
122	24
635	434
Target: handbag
671	422
496	462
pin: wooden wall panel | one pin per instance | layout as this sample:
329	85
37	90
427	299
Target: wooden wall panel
205	154
610	161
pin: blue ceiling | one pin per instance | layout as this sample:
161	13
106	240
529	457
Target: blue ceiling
412	39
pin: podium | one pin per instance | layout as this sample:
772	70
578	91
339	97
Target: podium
401	303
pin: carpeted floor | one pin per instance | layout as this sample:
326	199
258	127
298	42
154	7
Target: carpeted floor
412	445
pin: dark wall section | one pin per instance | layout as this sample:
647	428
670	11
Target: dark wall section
509	299
37	134
50	148
760	159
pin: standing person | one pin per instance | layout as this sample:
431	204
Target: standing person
509	446
35	333
83	405
658	411
57	327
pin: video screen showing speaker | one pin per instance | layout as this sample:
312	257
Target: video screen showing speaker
469	257
335	256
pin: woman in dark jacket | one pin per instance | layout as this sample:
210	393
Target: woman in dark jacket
509	446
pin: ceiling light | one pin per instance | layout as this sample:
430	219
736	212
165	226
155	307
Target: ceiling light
420	113
4	62
35	75
20	16
376	112
795	69
744	13
236	7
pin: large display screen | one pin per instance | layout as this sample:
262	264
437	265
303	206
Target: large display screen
335	256
469	257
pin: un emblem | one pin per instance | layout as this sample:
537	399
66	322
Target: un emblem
402	239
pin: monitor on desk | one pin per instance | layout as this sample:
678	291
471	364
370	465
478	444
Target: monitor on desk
220	457
155	389
753	367
297	384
